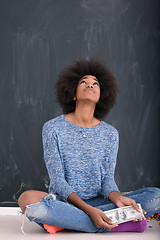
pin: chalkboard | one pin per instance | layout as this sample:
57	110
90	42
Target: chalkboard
38	39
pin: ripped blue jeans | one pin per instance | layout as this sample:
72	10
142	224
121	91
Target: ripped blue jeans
56	212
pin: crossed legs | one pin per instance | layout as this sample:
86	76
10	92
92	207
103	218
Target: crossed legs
54	212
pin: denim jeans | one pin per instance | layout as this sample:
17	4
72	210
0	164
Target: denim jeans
58	213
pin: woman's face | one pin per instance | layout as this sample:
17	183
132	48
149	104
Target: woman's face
88	88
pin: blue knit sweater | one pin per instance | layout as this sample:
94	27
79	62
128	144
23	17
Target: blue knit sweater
79	159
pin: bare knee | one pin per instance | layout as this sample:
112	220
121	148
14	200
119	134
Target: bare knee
24	199
30	197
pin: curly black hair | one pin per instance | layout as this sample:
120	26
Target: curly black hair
69	77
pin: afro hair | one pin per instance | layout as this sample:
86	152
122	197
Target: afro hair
69	77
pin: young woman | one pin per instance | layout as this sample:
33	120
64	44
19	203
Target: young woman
80	152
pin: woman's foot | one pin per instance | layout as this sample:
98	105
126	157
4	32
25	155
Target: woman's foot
52	229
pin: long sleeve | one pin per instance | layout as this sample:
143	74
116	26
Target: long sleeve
108	165
54	163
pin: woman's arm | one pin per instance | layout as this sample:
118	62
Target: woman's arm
97	216
109	186
54	163
109	163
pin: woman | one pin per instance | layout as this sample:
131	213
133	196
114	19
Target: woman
80	152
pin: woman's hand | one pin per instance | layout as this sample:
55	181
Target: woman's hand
100	219
122	201
97	216
126	201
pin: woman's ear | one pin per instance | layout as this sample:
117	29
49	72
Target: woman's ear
74	98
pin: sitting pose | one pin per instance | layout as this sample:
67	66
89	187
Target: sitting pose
80	152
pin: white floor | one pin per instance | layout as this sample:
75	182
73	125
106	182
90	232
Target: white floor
10	228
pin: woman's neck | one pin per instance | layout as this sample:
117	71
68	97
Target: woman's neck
84	115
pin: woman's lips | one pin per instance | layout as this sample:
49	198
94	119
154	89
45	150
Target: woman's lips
89	90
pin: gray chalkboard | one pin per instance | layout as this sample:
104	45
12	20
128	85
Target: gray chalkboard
39	38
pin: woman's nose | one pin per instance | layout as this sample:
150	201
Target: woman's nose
90	85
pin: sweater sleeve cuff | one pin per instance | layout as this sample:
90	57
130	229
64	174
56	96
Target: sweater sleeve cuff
67	195
111	189
66	191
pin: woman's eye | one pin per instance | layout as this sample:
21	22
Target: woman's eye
83	82
96	83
